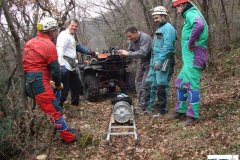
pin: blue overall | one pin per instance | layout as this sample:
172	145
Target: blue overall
162	55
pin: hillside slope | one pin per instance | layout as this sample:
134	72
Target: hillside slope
216	133
161	139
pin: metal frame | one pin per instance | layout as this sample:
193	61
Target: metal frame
129	125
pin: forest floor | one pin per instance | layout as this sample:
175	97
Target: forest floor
217	132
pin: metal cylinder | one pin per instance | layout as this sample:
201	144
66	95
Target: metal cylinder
122	112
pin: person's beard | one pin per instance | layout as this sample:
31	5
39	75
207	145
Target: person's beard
156	24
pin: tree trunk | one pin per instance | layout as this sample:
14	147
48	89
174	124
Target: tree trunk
147	16
205	8
226	20
17	44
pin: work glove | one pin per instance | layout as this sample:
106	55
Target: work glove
52	83
158	65
60	87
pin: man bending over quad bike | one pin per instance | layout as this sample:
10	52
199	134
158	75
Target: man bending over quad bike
139	48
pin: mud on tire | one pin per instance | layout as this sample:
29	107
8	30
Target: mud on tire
91	88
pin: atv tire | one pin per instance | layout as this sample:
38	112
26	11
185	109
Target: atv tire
91	89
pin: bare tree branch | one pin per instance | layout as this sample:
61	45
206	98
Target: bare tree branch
67	10
44	8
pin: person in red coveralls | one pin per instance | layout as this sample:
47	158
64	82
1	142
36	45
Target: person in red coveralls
40	63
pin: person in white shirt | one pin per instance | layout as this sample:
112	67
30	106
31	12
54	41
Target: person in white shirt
67	49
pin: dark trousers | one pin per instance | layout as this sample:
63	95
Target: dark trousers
72	83
140	79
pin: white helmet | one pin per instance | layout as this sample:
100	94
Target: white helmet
160	10
47	24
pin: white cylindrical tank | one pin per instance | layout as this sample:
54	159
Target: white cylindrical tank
122	112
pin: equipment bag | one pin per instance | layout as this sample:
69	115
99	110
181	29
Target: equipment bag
71	61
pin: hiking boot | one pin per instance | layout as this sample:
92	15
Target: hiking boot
64	142
190	121
69	136
140	111
178	115
158	115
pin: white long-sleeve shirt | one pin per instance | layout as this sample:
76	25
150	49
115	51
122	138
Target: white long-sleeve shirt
66	45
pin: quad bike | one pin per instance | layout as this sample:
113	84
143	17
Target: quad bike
105	70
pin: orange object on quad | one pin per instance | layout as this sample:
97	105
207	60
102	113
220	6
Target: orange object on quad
102	55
